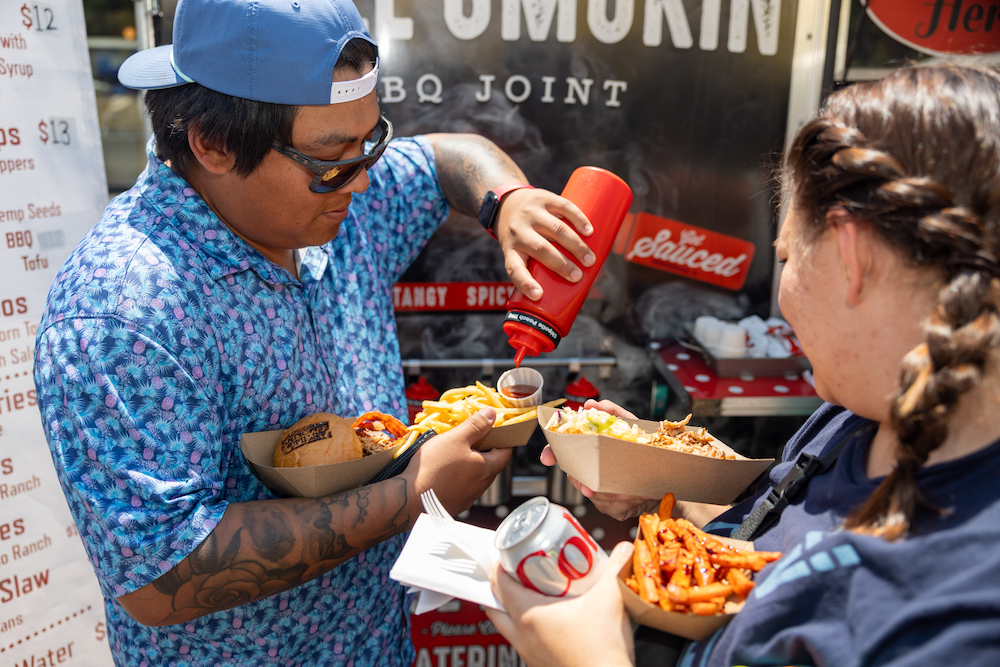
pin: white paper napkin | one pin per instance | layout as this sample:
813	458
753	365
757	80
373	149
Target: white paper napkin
422	565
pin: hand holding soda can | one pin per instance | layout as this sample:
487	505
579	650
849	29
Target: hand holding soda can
543	546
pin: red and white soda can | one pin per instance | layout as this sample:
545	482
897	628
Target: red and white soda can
543	546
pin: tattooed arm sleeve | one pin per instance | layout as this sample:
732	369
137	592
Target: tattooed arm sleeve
469	166
264	547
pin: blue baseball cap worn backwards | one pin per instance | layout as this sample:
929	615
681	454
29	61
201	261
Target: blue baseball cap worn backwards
278	51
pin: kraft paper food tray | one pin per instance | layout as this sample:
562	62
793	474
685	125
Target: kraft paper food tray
308	481
503	437
608	464
690	626
321	480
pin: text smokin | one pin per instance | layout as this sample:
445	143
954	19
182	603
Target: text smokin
543	18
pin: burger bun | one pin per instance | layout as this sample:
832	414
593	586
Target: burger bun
318	439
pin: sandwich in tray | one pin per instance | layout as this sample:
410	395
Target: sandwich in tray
323	438
324	453
646	458
670	435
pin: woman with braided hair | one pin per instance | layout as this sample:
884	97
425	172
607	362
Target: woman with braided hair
891	280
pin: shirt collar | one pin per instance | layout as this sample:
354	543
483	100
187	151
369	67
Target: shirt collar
222	251
311	262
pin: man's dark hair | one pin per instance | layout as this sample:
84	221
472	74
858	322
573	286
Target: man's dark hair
244	128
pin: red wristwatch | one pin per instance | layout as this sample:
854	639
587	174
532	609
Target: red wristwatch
490	210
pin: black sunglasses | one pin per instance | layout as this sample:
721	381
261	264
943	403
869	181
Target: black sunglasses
334	175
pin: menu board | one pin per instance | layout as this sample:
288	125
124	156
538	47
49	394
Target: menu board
52	190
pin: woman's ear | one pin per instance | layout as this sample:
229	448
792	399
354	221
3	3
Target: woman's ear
853	241
212	158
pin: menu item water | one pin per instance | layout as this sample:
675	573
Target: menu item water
670	435
681	568
317	439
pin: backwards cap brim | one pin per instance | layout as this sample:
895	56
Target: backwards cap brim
150	69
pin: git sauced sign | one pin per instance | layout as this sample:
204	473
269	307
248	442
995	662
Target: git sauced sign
940	26
686	250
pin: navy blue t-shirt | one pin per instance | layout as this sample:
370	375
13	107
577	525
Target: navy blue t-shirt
841	599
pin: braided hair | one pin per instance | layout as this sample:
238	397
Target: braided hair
917	156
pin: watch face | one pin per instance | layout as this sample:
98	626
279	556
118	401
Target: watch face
488	211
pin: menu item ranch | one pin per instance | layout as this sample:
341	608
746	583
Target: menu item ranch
676	436
680	568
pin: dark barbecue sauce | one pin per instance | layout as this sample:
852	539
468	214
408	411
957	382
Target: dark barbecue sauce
518	390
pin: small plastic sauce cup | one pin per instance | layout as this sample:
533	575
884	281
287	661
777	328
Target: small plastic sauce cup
526	385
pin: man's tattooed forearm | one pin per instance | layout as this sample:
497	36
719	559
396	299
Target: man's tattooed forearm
277	546
467	168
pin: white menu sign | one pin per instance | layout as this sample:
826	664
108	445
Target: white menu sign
52	190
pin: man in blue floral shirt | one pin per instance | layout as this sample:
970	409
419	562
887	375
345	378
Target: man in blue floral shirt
243	283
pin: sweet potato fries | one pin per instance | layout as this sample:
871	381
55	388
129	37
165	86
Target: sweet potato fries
681	568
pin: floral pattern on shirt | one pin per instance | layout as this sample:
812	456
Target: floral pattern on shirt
165	337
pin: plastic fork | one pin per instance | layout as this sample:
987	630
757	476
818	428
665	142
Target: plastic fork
451	563
446	523
448	550
459	566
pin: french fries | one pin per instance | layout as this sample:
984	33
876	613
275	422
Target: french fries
680	568
456	405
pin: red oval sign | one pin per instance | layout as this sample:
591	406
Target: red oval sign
940	26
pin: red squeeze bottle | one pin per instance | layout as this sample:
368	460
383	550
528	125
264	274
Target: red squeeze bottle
416	394
534	327
578	391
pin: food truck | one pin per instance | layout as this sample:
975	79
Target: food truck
688	101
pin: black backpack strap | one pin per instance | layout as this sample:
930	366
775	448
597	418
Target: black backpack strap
398	464
791	486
